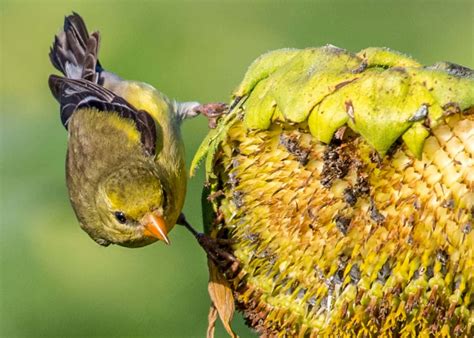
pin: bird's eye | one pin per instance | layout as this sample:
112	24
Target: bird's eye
120	216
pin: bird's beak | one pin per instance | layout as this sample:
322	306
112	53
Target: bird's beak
155	226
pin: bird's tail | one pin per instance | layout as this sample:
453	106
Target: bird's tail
74	51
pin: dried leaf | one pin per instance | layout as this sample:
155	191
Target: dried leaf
222	298
211	318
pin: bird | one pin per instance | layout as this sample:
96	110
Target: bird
344	183
125	164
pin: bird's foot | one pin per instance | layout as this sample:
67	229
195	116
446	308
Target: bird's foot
213	111
217	249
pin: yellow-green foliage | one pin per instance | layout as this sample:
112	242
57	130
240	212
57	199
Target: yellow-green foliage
379	93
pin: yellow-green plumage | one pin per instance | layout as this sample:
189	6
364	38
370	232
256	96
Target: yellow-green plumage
367	234
170	147
169	141
104	147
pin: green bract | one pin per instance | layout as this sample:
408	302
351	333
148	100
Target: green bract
378	93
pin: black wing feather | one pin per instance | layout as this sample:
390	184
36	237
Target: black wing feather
74	94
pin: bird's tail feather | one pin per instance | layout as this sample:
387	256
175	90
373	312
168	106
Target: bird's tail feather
74	51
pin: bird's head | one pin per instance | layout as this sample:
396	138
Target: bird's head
133	208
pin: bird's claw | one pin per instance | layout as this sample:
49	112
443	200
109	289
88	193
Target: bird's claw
218	252
213	111
217	249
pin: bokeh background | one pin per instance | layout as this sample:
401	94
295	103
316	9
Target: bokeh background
55	281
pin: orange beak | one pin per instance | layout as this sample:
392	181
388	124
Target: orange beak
155	226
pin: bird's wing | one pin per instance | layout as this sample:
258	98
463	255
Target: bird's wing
74	51
75	94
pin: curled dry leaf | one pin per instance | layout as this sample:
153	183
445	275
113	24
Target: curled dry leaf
222	301
211	318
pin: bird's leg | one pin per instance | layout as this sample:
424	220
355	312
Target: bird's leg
213	111
212	247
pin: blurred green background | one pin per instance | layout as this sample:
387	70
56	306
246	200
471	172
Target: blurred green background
55	281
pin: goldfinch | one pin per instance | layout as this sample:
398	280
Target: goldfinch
125	165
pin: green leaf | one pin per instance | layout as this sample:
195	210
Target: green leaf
262	67
379	93
208	214
415	138
385	57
